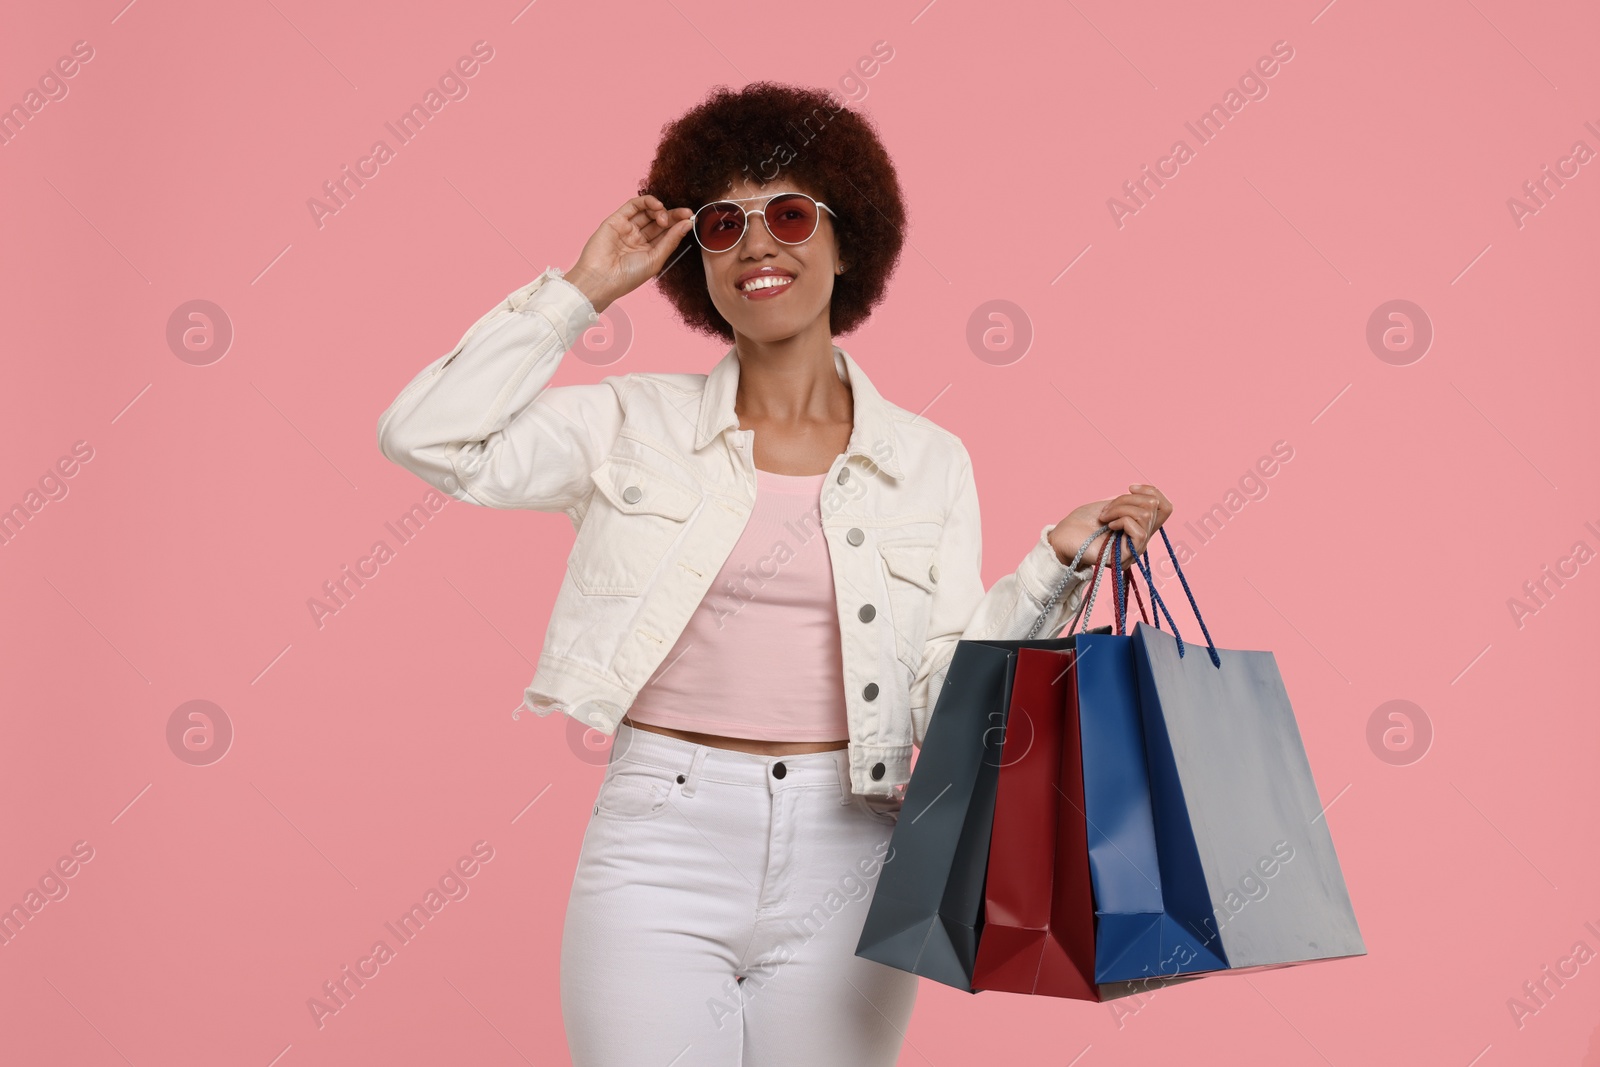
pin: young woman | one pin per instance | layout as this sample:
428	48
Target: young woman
773	565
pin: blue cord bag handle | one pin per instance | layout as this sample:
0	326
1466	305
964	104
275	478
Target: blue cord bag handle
1125	585
1155	596
1144	565
1119	593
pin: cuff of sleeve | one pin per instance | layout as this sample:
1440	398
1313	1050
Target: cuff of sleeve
551	295
1042	570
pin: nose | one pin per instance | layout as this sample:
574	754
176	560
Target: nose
754	241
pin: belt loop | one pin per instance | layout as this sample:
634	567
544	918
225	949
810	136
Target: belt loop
693	777
842	762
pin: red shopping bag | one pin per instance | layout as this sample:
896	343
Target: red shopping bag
1038	929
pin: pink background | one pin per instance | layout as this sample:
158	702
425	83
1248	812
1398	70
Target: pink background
1229	313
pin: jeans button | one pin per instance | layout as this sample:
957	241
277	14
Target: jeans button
680	779
779	770
632	494
871	691
855	536
866	613
877	771
844	475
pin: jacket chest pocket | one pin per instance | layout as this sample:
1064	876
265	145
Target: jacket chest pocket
638	513
913	578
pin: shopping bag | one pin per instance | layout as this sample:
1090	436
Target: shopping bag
1240	830
1143	938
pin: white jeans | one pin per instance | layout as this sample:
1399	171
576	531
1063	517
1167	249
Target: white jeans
715	912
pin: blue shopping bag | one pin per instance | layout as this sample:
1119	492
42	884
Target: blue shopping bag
1149	925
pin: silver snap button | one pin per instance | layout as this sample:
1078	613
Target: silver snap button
866	613
855	536
844	475
871	691
632	494
933	573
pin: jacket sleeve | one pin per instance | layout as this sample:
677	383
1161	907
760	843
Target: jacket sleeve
480	422
961	608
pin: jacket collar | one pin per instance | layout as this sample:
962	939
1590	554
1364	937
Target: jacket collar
872	437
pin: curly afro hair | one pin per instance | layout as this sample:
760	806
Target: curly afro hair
763	132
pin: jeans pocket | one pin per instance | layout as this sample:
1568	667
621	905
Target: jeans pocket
634	792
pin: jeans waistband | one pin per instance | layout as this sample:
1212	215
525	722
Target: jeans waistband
697	763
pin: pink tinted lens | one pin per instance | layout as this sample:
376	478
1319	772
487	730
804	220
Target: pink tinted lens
719	226
791	218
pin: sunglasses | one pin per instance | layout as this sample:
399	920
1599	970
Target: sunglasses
791	218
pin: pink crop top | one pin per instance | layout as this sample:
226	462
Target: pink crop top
760	657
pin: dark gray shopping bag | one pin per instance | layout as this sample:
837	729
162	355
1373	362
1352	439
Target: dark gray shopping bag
927	910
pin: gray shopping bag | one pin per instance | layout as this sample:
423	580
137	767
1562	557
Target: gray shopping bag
1239	826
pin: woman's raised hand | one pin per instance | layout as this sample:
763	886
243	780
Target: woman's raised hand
630	247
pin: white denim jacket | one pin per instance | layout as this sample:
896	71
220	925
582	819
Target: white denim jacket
659	480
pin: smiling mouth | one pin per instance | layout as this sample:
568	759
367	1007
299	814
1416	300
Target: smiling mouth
767	285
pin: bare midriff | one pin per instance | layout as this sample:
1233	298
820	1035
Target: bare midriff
741	744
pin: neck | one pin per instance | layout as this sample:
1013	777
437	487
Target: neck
791	380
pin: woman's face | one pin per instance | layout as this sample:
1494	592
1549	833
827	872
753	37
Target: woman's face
780	311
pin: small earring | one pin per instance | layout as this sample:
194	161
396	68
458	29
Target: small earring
839	269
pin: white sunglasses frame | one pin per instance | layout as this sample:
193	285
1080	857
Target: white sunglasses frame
762	211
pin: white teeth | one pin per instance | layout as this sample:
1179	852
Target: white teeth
766	281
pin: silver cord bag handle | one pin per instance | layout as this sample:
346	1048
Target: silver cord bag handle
1062	585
